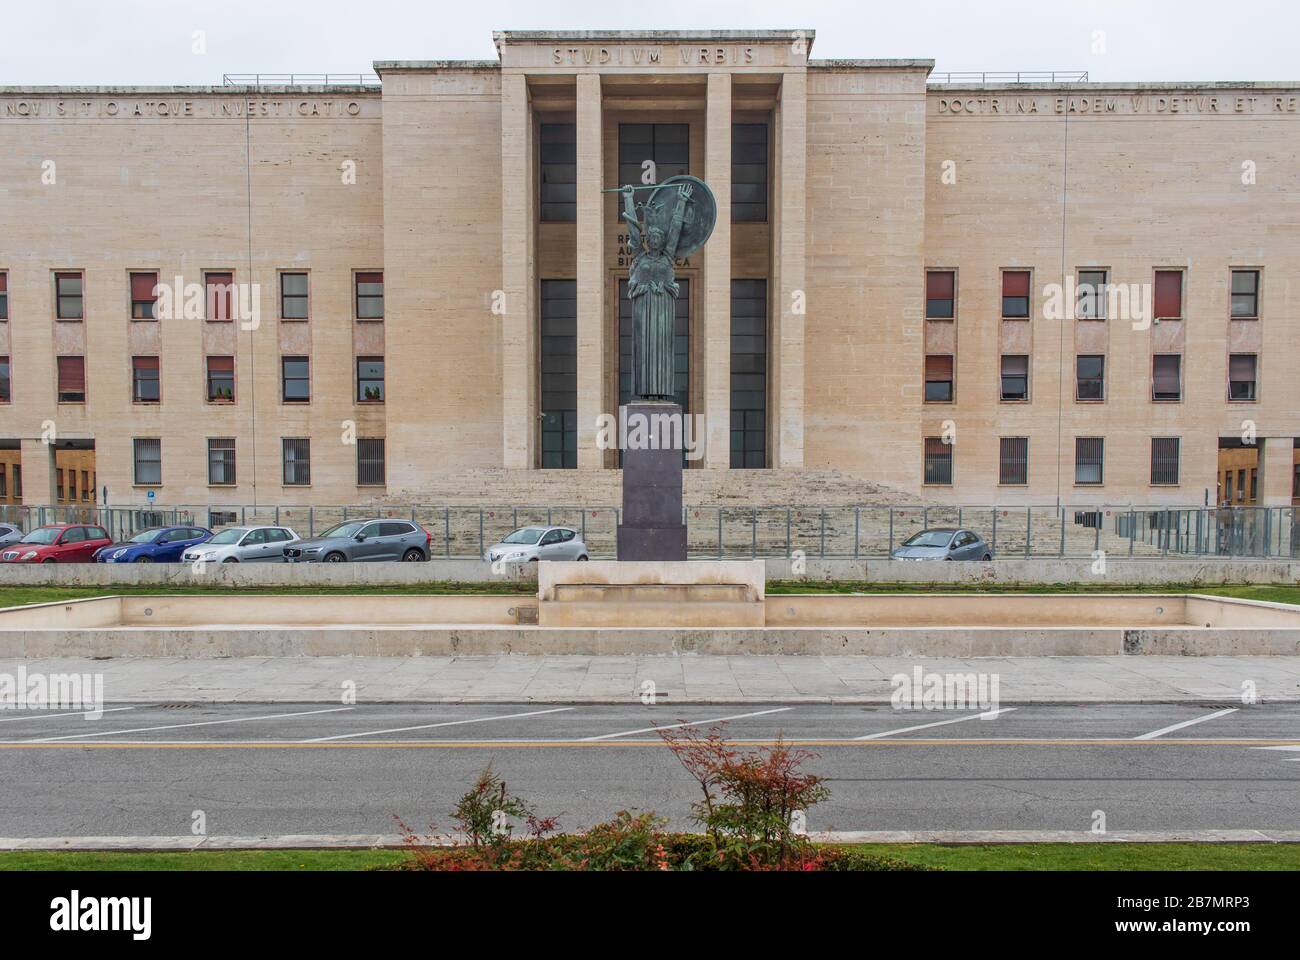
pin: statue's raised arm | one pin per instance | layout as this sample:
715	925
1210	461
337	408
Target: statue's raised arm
629	214
681	213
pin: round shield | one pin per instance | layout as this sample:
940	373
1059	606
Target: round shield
700	213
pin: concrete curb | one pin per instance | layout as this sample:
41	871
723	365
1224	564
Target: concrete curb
391	841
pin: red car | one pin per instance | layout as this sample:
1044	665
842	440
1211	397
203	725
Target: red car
58	543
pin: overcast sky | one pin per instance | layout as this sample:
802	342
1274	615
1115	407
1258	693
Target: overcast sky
151	41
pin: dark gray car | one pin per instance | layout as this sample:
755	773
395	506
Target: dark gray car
363	540
944	543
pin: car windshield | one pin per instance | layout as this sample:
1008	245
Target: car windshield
525	535
349	529
229	535
43	535
929	538
146	536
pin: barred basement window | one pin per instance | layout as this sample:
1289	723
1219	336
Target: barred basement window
293	296
940	295
1015	294
147	459
748	373
938	378
667	145
370	296
68	293
221	461
145	384
749	172
558	155
559	361
1013	461
1015	376
1091	295
938	462
370	462
143	298
1089	460
1090	377
1245	294
1164	461
1166	377
1241	376
295	454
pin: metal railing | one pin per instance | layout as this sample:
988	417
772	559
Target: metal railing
863	531
305	79
1011	76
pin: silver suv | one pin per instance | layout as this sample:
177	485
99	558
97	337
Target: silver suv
361	540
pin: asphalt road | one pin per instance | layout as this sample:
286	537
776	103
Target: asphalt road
273	769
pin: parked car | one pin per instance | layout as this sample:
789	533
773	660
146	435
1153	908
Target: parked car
10	533
157	545
58	543
252	544
944	543
538	543
363	540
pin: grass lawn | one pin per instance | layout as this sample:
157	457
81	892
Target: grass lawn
1043	856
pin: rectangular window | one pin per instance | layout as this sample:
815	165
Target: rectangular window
1166	377
58	484
295	380
938	462
559	360
940	295
370	462
147	457
1015	376
938	378
1241	376
143	298
1015	294
219	291
1090	377
68	296
18	481
1169	295
221	461
748	373
666	145
4	483
72	379
1089	460
370	379
370	296
4	383
749	172
221	379
1164	461
296	459
1013	461
72	484
558	156
145	385
1241	484
85	485
1254	483
4	295
1245	295
1091	303
293	296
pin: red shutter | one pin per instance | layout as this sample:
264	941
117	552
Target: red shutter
1166	373
145	363
72	374
370	278
221	364
142	286
938	367
4	282
219	300
1169	295
1015	283
939	285
1241	366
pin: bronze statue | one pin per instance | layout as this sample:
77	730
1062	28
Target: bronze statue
674	222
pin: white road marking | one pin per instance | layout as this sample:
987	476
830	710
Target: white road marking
689	723
429	726
1186	723
37	715
987	715
176	726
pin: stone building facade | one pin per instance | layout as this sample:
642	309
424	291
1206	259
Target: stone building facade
1020	293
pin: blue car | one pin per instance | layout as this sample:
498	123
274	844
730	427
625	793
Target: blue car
157	545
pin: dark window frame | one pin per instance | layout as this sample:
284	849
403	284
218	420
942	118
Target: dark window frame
951	300
1158	396
1252	297
295	301
222	460
1080	380
70	395
557	377
143	308
75	300
1088	293
364	383
299	465
139	445
370	466
138	381
1253	381
748	374
1014	313
1090	452
940	382
557	172
210	381
365	278
286	379
1004	377
750	177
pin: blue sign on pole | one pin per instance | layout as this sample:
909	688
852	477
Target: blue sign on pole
150	495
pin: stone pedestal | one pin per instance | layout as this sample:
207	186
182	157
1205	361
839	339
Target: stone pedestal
653	446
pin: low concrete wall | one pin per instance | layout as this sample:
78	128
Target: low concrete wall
1037	570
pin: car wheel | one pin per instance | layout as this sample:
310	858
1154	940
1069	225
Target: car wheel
48	560
230	560
584	557
532	559
144	560
334	557
412	556
987	557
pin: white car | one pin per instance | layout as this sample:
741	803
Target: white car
252	544
538	543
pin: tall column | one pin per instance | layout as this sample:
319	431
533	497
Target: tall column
717	277
516	304
590	269
38	472
1276	469
788	270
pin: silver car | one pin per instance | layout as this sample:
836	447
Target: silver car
538	543
363	540
10	533
944	543
253	544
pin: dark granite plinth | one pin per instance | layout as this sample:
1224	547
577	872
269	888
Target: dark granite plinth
652	528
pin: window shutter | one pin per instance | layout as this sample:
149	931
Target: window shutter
142	286
1169	295
1015	283
1241	366
72	374
938	367
1166	374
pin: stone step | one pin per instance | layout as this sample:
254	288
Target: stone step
653	593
